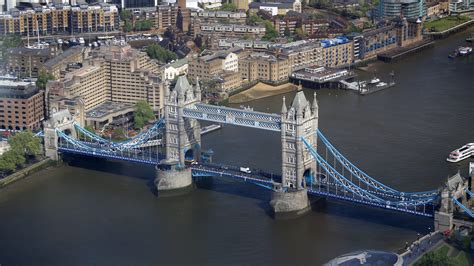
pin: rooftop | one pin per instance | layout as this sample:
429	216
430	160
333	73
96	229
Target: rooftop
69	52
108	108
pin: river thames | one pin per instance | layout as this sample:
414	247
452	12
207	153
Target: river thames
98	213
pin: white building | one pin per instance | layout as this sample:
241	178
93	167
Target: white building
177	68
231	63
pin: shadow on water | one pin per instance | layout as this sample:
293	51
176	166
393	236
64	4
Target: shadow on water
140	171
231	187
375	215
263	196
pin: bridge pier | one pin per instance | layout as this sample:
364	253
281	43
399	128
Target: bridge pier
172	179
290	204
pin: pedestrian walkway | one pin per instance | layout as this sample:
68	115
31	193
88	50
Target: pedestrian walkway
421	246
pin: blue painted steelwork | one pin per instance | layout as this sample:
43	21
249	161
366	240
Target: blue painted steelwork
234	116
464	208
204	170
368	180
470	193
344	186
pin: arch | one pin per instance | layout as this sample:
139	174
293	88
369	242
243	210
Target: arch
67	131
308	176
189	154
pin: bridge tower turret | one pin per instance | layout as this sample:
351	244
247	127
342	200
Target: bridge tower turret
297	122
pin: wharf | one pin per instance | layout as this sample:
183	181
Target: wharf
400	52
317	77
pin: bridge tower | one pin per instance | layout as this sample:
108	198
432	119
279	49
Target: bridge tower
63	121
182	138
297	122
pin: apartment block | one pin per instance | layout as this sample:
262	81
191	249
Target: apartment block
265	67
337	52
60	18
208	66
27	61
21	105
117	74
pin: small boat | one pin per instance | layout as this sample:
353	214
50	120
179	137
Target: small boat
461	51
462	153
374	81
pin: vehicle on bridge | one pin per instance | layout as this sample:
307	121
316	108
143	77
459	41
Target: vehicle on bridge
191	162
245	170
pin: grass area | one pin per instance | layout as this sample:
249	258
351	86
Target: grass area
445	23
462	259
442	250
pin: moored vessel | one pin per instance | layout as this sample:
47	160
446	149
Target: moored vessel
462	153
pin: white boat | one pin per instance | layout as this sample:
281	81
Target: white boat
465	51
381	84
462	153
374	81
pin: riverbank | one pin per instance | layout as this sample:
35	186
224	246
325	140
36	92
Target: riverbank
259	91
26	171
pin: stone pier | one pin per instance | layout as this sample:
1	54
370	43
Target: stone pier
290	204
172	179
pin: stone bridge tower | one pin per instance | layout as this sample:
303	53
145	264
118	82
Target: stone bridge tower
297	122
182	139
63	121
183	135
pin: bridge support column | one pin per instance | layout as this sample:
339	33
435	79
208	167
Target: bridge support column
173	180
290	204
443	221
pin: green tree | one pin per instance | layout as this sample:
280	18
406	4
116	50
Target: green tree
7	42
155	51
25	143
228	7
143	113
270	32
43	78
125	15
118	133
8	162
254	20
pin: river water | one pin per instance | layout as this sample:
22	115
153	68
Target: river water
94	212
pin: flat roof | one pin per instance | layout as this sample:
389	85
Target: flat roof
108	108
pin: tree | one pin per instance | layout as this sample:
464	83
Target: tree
228	7
125	15
143	113
25	143
8	42
155	51
287	32
254	20
118	133
270	32
43	78
7	163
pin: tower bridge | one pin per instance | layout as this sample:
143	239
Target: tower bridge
310	162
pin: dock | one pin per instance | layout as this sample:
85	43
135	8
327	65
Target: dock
317	77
